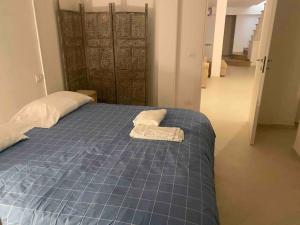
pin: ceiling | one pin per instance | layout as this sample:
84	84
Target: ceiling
237	3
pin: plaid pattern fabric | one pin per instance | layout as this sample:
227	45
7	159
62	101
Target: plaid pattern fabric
87	170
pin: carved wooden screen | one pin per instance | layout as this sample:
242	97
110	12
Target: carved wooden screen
100	55
130	44
73	50
107	52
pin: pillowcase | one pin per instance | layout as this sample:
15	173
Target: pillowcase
45	112
74	97
9	136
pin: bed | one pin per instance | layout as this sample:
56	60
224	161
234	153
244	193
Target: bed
87	170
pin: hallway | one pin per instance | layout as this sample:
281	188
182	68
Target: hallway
255	185
226	102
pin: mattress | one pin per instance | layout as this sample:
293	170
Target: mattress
87	170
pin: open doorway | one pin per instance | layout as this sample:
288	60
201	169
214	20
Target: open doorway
226	95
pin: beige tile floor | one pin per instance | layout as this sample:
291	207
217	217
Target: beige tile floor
255	185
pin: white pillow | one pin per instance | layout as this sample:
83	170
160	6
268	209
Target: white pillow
9	136
79	99
45	112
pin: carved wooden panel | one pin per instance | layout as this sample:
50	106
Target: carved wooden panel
131	88
130	57
73	50
100	55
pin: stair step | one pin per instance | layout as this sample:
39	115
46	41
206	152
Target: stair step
239	56
237	62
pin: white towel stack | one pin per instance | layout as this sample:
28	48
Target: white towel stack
150	117
146	126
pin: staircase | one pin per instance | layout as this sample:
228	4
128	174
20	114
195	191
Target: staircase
255	39
249	55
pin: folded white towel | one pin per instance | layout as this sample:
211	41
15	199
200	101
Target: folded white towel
157	133
150	117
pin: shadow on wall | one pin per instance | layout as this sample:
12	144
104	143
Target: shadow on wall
70	4
120	5
298	113
102	5
298	110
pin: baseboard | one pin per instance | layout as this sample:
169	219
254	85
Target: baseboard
279	126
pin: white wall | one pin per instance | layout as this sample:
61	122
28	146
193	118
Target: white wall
128	5
244	29
218	38
252	10
179	38
209	35
190	53
279	100
48	34
69	4
96	5
19	57
246	20
29	46
166	31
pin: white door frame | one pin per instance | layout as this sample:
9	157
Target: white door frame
261	65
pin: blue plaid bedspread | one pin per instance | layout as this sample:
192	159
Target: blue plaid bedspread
87	170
